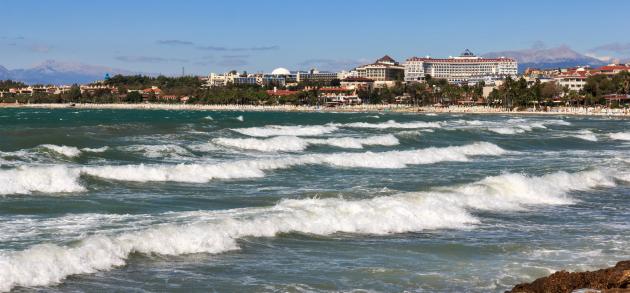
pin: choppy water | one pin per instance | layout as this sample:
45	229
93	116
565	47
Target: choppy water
140	201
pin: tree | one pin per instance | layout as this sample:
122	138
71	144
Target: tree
134	97
74	94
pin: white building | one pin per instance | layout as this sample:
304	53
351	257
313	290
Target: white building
384	69
458	69
573	79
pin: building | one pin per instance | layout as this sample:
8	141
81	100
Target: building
613	69
357	83
333	96
315	75
385	71
221	79
573	79
458	69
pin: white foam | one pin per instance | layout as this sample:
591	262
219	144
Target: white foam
216	232
256	168
240	118
95	150
507	127
159	151
208	117
67	151
280	130
394	124
585	134
620	136
506	130
294	143
64	178
357	143
25	180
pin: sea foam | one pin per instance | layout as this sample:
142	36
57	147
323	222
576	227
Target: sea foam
64	178
445	208
280	130
25	180
256	168
620	136
294	143
394	124
67	151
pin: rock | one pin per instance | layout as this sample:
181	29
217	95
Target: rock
610	280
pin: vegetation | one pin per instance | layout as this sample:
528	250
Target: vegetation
513	93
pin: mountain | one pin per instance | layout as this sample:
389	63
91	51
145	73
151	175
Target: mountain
56	72
4	73
545	58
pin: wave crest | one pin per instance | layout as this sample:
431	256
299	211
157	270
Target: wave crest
447	208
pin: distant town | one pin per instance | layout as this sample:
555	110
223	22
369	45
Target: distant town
466	80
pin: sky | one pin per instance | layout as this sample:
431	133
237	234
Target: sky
216	36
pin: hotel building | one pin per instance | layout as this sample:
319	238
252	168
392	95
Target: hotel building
458	69
384	69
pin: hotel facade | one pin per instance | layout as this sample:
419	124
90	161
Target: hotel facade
458	69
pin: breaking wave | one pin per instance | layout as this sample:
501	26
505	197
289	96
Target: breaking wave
95	150
280	130
67	151
294	143
508	127
620	136
25	180
256	168
66	179
585	135
446	208
394	124
159	151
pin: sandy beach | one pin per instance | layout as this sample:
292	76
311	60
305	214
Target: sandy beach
589	111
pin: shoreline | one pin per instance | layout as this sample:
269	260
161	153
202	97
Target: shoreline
367	108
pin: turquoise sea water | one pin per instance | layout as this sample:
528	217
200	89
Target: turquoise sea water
192	201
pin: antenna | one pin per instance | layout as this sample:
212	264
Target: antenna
183	71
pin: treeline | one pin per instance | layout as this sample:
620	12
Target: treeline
5	85
517	93
512	93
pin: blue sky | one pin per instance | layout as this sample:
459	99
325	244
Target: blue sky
204	36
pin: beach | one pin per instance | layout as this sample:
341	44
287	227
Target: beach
586	111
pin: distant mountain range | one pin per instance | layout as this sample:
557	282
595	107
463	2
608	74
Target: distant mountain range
55	72
546	58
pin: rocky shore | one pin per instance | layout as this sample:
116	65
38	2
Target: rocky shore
615	279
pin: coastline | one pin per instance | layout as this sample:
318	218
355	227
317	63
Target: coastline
366	108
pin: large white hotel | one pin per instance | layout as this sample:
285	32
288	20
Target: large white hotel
458	69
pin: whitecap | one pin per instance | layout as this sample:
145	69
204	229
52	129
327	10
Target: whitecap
25	180
294	143
67	151
280	130
620	136
217	232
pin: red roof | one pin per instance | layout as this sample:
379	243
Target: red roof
461	60
614	67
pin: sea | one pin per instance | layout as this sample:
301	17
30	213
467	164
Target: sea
201	201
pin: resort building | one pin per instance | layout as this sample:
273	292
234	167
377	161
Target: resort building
574	78
613	69
385	71
458	69
315	75
357	83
